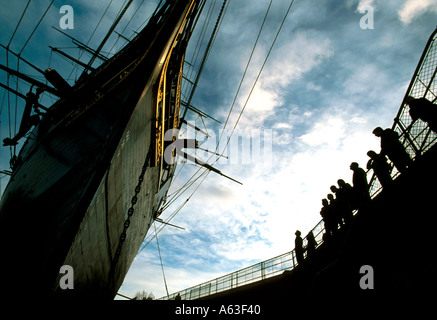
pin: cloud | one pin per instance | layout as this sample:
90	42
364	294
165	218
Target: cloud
328	132
365	3
288	63
300	53
414	8
256	221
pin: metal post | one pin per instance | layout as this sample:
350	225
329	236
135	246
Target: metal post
263	271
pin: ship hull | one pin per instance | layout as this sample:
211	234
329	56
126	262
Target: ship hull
93	250
67	202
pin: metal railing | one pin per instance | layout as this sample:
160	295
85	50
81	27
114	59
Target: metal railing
257	272
416	137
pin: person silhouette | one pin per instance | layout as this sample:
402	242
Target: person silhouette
335	218
345	197
311	244
298	247
393	148
327	217
338	205
424	110
27	120
360	185
380	166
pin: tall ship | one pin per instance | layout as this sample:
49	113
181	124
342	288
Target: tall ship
94	170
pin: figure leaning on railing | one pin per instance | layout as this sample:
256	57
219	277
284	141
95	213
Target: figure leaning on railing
424	110
393	148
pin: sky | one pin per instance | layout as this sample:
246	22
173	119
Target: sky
326	85
334	74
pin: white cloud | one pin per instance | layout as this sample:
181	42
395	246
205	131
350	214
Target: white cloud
259	219
312	86
304	51
365	3
262	101
366	80
414	8
327	132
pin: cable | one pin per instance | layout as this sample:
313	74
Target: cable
205	173
205	57
245	71
259	74
125	27
34	29
18	24
89	39
111	29
196	51
160	258
98	23
187	185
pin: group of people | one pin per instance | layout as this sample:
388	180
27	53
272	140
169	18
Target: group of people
300	249
337	211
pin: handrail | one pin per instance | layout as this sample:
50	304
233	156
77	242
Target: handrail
259	271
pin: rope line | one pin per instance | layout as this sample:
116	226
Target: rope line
160	258
258	76
245	71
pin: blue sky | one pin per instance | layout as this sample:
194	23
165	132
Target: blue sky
326	86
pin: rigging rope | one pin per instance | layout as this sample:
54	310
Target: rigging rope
253	86
244	73
205	57
125	27
34	29
18	24
13	148
114	24
188	183
160	258
193	60
205	173
89	39
259	74
8	75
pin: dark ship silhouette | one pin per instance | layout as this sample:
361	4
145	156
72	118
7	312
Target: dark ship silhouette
91	176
